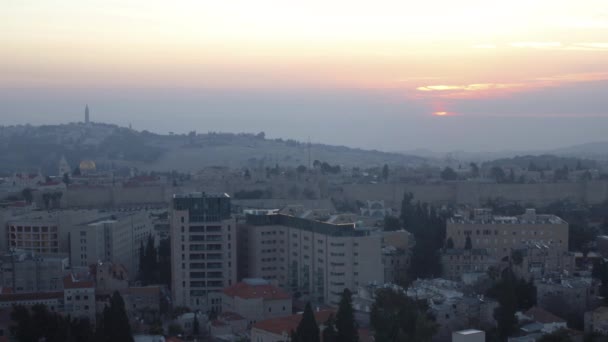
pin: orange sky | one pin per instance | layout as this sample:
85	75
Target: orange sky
431	51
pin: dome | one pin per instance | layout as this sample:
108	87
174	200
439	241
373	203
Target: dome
87	165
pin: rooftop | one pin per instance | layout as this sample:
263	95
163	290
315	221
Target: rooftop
73	281
202	195
543	316
284	325
347	229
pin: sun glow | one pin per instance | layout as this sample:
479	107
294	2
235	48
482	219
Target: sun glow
440	113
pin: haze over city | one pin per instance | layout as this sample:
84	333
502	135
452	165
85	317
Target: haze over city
388	75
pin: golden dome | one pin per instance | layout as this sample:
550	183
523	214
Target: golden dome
87	165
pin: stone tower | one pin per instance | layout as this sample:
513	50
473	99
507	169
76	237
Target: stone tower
86	114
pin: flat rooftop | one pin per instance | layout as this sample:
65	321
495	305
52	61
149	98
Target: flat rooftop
521	219
202	195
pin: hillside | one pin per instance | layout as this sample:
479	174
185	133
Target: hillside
30	148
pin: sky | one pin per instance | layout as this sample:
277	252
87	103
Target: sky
390	75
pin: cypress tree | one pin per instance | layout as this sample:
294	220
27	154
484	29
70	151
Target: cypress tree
345	319
329	333
308	330
119	329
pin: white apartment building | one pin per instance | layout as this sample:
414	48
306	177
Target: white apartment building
116	237
309	257
203	249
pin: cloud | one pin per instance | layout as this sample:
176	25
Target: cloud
592	46
484	46
488	90
536	45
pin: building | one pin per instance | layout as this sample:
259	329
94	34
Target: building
502	234
36	232
79	296
375	209
52	300
596	321
567	296
469	335
459	263
546	321
25	271
110	277
203	249
115	237
279	329
312	258
396	261
256	300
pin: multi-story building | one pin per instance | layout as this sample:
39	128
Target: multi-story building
203	249
116	238
459	263
38	234
24	271
256	300
502	234
312	258
79	296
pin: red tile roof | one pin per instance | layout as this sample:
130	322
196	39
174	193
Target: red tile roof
543	316
30	296
286	324
71	282
248	291
230	316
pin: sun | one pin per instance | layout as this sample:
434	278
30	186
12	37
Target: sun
440	113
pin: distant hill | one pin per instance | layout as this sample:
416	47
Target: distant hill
32	148
593	150
542	162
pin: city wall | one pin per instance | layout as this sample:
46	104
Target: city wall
471	193
478	193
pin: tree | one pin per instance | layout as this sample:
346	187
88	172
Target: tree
391	223
345	319
449	244
247	174
307	330
76	171
504	314
116	321
27	195
66	178
474	170
175	329
468	244
195	327
525	291
329	333
385	172
498	174
397	318
449	174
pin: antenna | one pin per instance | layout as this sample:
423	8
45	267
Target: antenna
309	166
